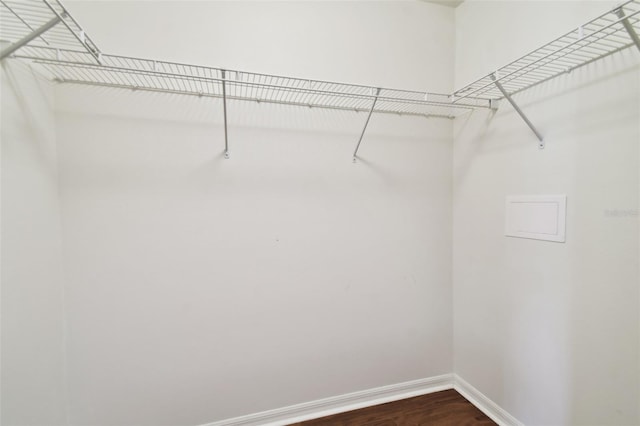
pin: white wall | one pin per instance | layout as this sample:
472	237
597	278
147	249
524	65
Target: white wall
202	288
33	384
199	288
548	331
400	44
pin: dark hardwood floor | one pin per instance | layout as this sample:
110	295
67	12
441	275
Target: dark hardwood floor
446	408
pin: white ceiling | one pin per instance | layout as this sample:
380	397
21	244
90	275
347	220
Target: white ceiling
449	3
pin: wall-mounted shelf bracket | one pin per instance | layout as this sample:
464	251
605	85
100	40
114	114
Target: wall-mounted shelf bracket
518	110
627	26
224	111
366	123
29	37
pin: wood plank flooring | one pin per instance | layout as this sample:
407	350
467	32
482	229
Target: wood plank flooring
446	408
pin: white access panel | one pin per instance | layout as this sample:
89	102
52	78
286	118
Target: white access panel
539	217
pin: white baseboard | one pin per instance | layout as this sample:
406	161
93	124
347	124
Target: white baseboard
341	403
367	398
484	404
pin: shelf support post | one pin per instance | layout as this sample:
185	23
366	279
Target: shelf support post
224	110
627	26
26	39
518	110
366	123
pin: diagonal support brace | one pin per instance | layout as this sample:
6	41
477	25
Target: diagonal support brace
518	110
627	26
224	109
366	123
26	39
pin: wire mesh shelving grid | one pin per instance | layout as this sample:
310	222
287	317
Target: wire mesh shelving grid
598	38
20	18
66	54
71	66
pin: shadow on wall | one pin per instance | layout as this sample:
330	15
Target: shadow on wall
44	152
318	139
140	104
259	158
613	68
461	126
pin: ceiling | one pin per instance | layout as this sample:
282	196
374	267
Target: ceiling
449	3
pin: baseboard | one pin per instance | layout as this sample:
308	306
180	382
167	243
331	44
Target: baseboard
341	403
484	404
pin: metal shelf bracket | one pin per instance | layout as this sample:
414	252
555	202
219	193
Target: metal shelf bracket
366	123
26	39
627	26
518	110
224	111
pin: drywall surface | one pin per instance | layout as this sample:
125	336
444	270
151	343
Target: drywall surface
33	390
388	44
549	331
202	288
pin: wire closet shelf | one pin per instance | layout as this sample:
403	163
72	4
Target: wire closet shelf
605	35
69	66
44	32
42	23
